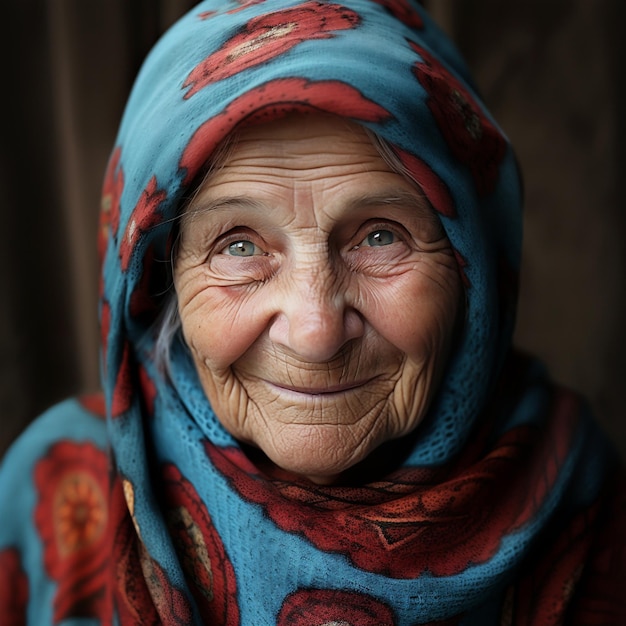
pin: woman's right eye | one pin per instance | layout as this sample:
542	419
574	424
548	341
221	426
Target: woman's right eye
242	248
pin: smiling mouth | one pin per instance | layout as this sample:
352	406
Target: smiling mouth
322	391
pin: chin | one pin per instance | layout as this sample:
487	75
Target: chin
319	454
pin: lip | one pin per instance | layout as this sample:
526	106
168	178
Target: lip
321	391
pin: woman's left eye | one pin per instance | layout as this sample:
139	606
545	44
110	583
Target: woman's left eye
380	237
243	248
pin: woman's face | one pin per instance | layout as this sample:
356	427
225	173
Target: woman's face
318	294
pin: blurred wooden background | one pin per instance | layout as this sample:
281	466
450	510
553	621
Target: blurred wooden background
552	73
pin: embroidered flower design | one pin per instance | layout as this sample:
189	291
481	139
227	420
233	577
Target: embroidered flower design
434	188
209	572
396	527
80	513
110	202
268	36
144	217
144	594
94	403
72	517
13	588
471	136
403	11
330	607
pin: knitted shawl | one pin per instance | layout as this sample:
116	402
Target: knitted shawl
136	506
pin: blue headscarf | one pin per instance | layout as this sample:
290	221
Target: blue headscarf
494	512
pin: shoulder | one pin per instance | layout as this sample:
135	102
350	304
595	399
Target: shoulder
76	424
59	459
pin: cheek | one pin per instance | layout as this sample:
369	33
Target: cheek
220	325
417	313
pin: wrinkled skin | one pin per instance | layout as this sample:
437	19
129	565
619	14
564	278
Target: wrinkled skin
318	295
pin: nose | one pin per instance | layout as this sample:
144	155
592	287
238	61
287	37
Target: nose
314	318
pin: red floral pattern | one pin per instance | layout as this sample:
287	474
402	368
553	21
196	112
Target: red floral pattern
143	217
272	101
110	203
13	588
319	607
71	515
397	527
94	403
144	596
472	138
209	572
268	36
404	12
433	187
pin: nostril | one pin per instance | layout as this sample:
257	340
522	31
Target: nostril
316	335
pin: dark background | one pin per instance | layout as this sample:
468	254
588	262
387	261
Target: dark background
551	72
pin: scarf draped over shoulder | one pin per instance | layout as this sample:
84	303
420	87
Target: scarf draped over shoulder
137	507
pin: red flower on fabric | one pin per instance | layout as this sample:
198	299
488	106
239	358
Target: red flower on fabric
472	138
72	517
403	11
410	524
271	101
433	187
13	588
110	203
144	595
208	570
313	607
268	36
94	403
143	218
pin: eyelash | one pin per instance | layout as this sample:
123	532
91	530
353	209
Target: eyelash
373	226
237	234
243	233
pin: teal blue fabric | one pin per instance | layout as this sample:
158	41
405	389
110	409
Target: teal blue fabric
493	513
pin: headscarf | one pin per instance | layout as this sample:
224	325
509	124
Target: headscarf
502	508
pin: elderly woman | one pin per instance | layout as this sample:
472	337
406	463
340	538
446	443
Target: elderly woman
312	411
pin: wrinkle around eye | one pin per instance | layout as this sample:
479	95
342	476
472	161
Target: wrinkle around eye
256	268
384	261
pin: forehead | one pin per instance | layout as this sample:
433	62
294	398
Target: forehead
300	143
319	155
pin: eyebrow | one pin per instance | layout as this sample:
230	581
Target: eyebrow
399	198
192	210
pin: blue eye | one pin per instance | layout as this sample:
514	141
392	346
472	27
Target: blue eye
243	247
379	238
